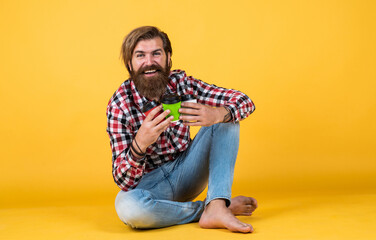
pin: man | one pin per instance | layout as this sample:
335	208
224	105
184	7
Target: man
159	169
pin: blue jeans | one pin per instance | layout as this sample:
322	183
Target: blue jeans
164	196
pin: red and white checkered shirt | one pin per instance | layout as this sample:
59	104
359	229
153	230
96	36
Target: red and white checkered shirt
125	116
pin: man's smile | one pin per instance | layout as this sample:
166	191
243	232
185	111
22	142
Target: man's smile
150	72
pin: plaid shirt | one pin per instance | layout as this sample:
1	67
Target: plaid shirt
125	116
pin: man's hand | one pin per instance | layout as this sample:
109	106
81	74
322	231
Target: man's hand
151	128
201	115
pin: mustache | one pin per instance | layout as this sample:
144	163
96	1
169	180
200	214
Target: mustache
150	67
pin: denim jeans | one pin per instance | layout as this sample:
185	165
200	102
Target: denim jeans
164	196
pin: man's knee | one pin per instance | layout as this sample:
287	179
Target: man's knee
227	128
134	208
232	126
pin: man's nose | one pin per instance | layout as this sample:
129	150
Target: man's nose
149	60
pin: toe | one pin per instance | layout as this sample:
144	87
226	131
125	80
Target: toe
247	228
254	203
250	208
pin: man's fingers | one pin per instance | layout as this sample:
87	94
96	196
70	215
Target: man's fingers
193	123
189	111
162	116
164	124
190	105
187	118
153	113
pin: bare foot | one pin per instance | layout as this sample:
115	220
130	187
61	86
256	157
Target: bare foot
242	205
217	215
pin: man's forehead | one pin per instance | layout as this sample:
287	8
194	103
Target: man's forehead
149	45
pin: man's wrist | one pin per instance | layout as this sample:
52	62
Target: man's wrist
135	156
141	146
135	150
228	116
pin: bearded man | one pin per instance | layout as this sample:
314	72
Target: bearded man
157	166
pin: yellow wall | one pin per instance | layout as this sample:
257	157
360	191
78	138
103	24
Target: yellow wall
309	66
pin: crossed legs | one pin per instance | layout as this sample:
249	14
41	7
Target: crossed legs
164	196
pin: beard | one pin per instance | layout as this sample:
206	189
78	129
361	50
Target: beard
152	87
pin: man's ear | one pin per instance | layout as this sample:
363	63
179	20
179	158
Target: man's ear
169	59
129	66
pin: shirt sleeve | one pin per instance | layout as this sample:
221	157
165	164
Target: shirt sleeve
126	169
239	104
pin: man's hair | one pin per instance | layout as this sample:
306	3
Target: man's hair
138	34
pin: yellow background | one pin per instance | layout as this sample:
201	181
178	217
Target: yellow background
309	66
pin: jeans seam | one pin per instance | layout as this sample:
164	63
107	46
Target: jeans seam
166	175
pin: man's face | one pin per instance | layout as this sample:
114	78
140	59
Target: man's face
149	69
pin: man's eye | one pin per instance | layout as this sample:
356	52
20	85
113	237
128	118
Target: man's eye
157	53
139	55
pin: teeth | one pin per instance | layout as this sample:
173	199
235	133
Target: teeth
150	71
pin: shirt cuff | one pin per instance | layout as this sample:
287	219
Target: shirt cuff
232	109
133	161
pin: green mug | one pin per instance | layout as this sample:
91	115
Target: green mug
172	102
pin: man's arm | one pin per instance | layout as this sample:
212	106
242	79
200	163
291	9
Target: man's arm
126	167
233	104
